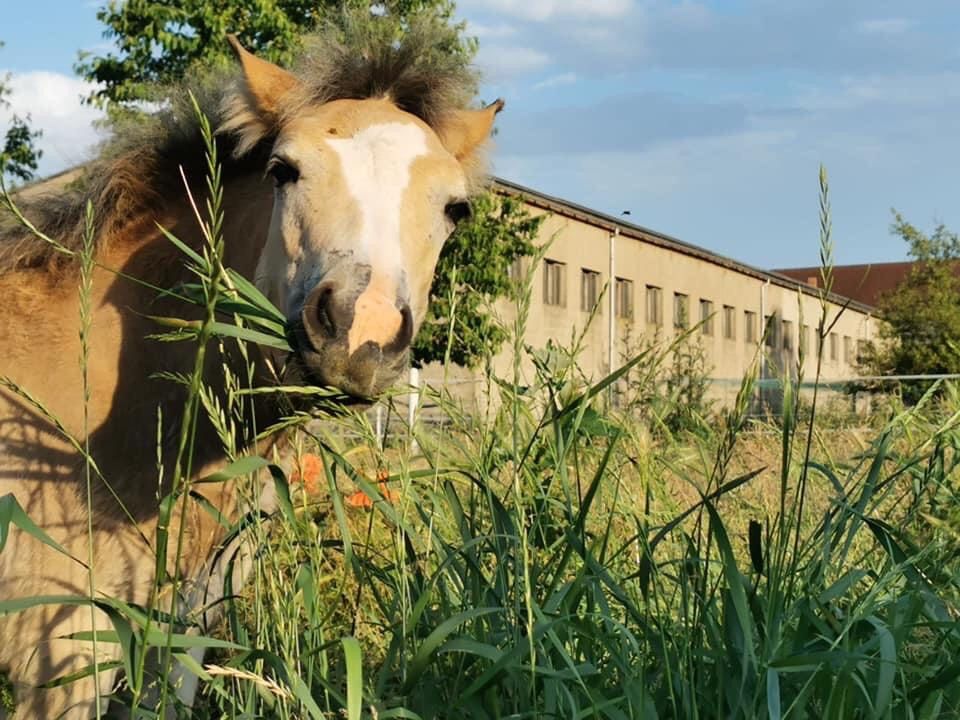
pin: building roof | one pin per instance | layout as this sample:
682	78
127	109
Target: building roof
864	283
638	232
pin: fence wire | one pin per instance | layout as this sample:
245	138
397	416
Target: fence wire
400	416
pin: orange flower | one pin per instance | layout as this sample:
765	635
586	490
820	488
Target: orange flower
362	500
308	471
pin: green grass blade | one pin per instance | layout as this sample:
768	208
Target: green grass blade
354	665
436	638
12	513
256	337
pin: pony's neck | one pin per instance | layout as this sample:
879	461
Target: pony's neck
139	250
142	395
248	204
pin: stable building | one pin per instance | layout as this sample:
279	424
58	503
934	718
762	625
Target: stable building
662	286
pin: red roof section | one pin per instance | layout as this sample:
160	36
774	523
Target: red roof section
863	283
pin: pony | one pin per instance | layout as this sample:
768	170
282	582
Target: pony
342	179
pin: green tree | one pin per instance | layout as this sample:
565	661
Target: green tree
473	271
19	155
920	329
159	41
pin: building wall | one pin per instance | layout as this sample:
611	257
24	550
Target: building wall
580	243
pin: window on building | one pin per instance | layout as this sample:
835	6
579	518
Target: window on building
861	350
654	305
805	339
749	326
834	347
770	331
787	331
729	323
623	301
554	283
706	317
848	349
681	311
589	289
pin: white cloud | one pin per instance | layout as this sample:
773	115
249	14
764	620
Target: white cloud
490	32
884	26
908	92
541	10
54	104
568	78
503	62
614	36
689	15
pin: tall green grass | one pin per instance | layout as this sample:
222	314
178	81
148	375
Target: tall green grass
549	557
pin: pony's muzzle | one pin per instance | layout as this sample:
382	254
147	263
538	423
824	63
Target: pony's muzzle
356	342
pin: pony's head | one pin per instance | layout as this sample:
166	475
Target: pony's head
365	194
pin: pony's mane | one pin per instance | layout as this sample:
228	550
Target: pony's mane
138	169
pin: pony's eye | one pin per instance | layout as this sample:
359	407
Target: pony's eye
282	171
458	211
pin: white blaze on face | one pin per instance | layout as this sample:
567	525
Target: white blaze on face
376	165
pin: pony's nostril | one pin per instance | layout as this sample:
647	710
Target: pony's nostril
324	311
322	314
405	334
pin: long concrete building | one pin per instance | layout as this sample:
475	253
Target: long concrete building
662	287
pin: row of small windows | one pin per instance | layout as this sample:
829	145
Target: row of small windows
706	318
784	337
555	293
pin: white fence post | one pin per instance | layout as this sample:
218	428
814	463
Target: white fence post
379	425
413	404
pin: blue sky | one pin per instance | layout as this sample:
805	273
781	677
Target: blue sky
707	120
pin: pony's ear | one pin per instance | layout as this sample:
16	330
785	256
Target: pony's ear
465	130
264	83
